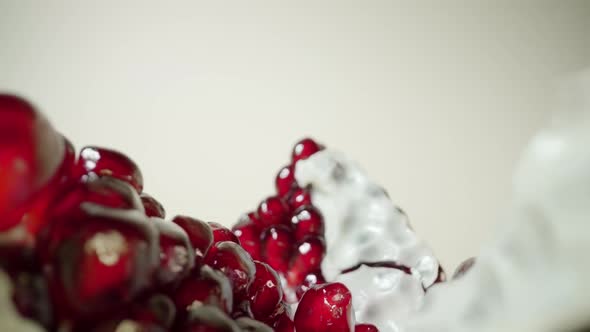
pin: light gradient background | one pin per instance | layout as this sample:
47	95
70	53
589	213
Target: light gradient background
435	99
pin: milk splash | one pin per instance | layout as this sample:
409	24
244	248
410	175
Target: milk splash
532	277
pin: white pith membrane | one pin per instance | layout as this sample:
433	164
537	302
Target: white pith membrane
533	276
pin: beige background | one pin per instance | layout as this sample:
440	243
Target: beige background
436	100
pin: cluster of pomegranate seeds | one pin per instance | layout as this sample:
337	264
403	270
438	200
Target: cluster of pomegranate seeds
286	231
88	250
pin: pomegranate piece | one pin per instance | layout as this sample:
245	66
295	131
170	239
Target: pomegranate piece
157	310
67	210
208	287
31	155
95	162
326	308
152	207
310	280
265	292
209	319
277	245
177	256
298	198
285	180
199	234
307	221
365	328
233	261
464	267
304	149
272	211
103	258
222	233
248	234
308	257
284	324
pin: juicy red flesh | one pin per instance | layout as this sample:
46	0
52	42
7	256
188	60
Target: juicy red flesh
152	207
265	292
307	221
285	180
298	198
199	235
304	149
272	211
277	246
206	286
95	162
248	234
177	256
326	308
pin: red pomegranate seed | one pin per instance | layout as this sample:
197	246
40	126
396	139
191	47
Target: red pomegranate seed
152	207
298	198
222	233
199	234
307	221
310	280
96	162
326	308
277	245
272	211
306	259
464	267
285	180
231	259
248	235
209	319
104	260
31	153
284	324
265	292
365	328
67	209
207	287
304	149
177	256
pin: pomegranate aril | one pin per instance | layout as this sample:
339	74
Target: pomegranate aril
307	221
298	198
31	155
207	287
177	256
152	207
222	233
248	234
365	328
310	280
106	262
307	258
68	209
96	162
272	211
277	246
284	324
265	292
304	149
464	267
233	261
326	308
199	234
285	180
